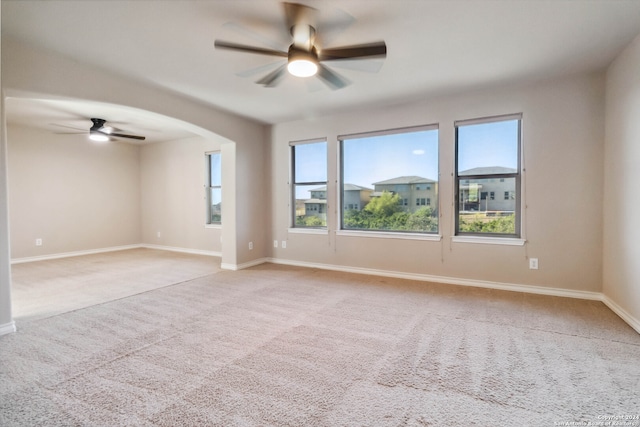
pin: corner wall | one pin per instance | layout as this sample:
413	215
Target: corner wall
621	260
563	133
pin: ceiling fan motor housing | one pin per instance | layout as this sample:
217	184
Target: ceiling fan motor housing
98	124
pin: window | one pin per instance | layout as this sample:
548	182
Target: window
488	161
385	170
309	183
214	188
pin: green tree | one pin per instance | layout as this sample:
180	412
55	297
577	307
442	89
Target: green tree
354	219
310	221
384	206
500	225
422	220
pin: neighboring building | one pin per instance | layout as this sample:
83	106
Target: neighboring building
316	207
355	197
414	191
486	195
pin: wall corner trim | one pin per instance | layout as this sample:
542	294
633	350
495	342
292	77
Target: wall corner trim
236	267
624	315
182	250
8	328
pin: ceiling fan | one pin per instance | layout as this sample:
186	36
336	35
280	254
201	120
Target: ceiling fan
304	57
101	133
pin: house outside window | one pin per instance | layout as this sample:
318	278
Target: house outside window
309	184
214	188
488	162
384	172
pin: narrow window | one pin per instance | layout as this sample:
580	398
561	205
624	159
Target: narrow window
383	171
214	188
309	183
488	161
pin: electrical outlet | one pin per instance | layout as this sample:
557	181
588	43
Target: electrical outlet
38	242
284	244
159	234
250	246
533	263
275	243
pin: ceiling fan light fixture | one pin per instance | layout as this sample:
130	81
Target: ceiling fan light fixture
302	63
98	136
302	68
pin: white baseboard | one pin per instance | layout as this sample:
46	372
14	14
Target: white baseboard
542	290
236	267
8	328
113	249
72	254
182	250
624	315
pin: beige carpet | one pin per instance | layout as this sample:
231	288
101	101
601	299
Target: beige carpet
46	288
282	346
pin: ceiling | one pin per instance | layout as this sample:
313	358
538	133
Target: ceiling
434	48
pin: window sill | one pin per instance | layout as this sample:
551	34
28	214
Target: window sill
390	235
216	226
507	241
323	231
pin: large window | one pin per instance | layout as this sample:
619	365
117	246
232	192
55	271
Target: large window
383	173
488	164
214	188
309	183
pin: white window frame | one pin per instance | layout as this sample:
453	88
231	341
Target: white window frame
293	228
516	239
209	187
384	234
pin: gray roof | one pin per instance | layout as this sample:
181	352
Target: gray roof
487	170
406	180
351	187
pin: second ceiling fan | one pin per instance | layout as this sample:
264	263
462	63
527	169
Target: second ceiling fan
304	57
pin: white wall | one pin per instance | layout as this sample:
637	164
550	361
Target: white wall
74	194
563	133
173	175
621	178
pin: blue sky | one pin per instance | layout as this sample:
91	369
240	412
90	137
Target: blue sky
488	144
378	158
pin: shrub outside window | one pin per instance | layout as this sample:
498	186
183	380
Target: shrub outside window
309	184
382	173
488	163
